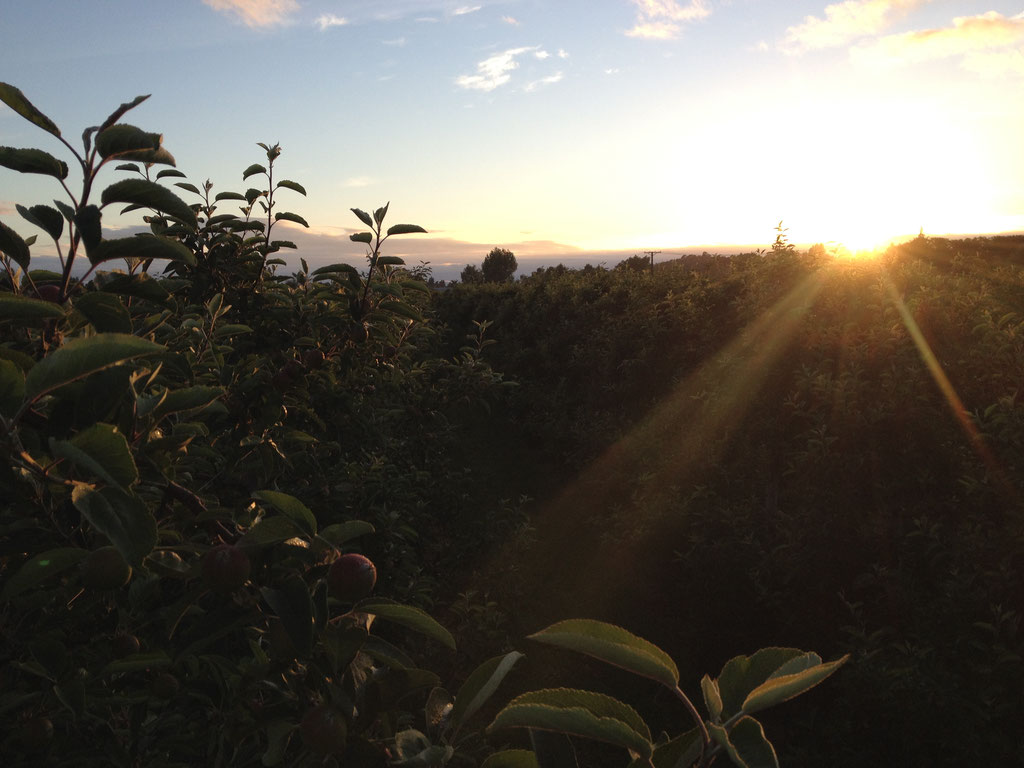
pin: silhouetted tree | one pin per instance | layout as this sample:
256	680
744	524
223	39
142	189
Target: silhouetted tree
499	266
634	264
471	275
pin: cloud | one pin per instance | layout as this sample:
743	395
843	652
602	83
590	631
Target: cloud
463	10
661	19
845	22
330	20
543	81
256	13
397	42
542	54
989	44
509	20
493	72
563	54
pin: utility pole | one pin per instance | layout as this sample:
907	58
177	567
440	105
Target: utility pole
651	254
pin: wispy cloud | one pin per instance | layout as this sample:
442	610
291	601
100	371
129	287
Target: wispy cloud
989	44
256	13
397	42
845	22
563	54
328	20
463	10
532	86
510	21
542	54
662	19
492	72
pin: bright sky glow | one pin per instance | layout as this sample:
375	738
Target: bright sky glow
552	126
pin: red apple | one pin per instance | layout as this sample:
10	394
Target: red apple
324	730
351	577
225	568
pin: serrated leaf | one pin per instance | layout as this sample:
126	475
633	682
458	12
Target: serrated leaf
294	606
785	686
122	517
340	533
229	196
149	156
277	244
103	452
16	100
27	310
480	686
288	216
292	185
578	713
363	217
88	220
407	616
118	140
361	237
511	758
40	568
291	508
81	357
380	213
389	261
132	167
46	218
252	170
613	645
188	187
141	246
405	229
12	244
33	161
67	210
151	195
105	311
743	674
745	744
681	752
169	173
118	113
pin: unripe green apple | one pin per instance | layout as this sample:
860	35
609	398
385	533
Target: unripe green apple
351	577
225	568
324	730
105	568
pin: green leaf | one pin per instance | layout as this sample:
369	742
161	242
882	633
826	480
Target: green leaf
140	285
40	568
363	217
680	752
101	451
613	645
339	533
251	195
712	698
270	531
389	261
286	216
151	195
401	309
83	356
12	387
294	606
405	229
786	685
12	245
16	100
121	517
169	173
188	187
88	221
291	508
117	140
578	713
26	310
278	244
480	686
252	170
46	218
745	744
292	185
415	285
137	662
407	616
229	196
133	167
511	758
67	210
33	161
105	311
149	156
742	674
361	237
118	113
142	246
380	213
186	399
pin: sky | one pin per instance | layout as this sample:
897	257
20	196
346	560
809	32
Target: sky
556	129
